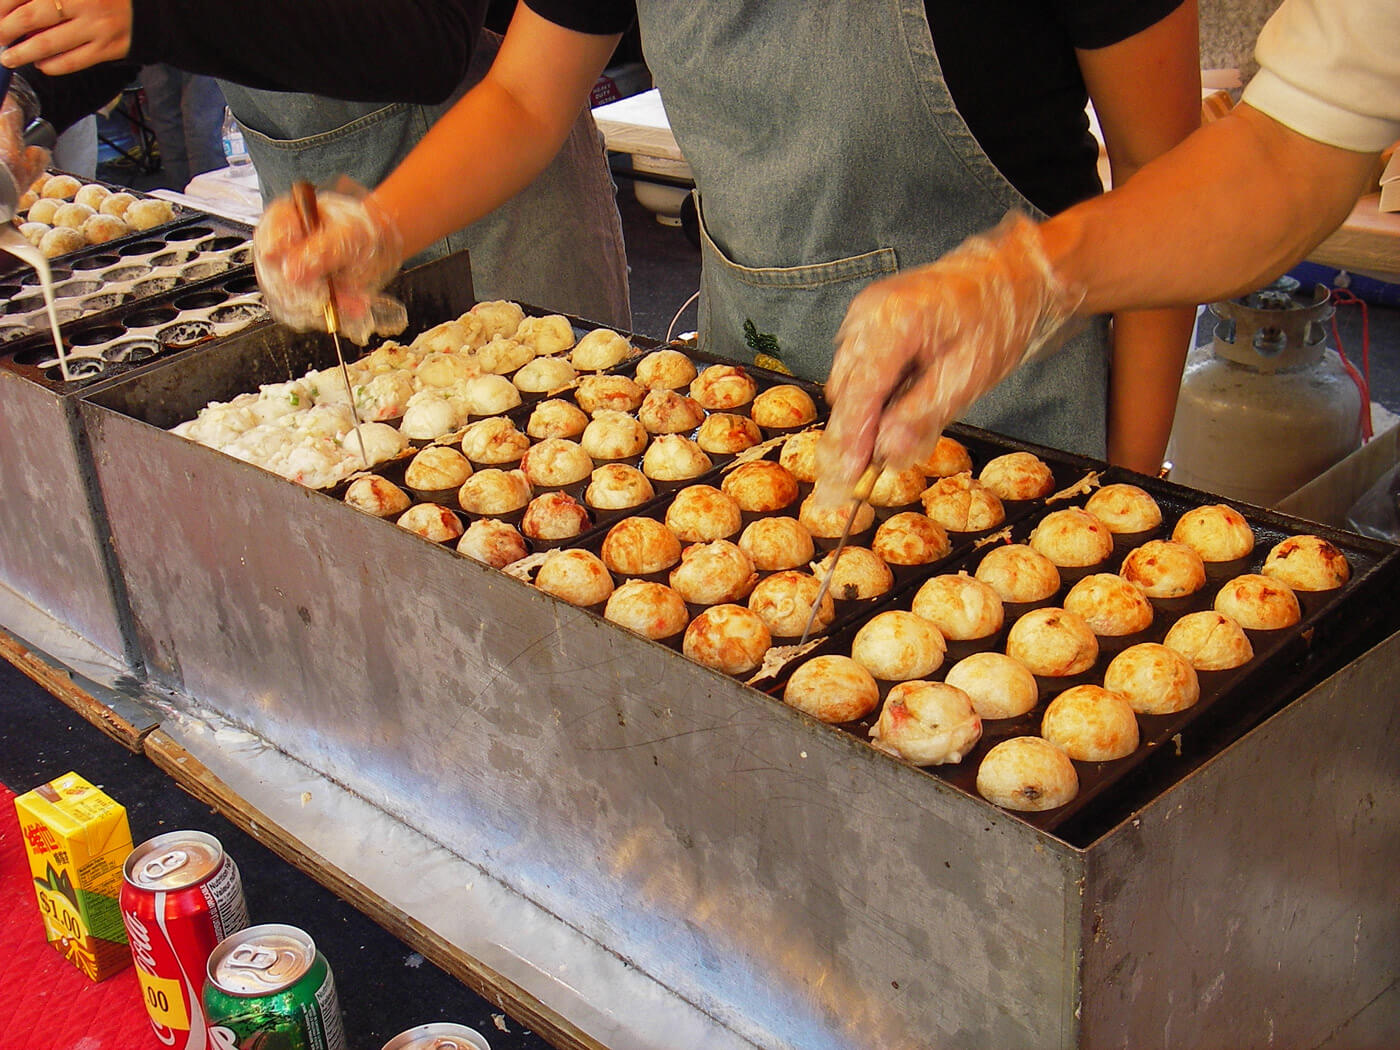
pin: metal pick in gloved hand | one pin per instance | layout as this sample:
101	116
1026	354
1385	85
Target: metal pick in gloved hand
304	197
862	491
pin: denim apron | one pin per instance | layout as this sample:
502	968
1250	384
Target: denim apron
827	154
556	245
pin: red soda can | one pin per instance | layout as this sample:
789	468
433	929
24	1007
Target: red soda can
181	895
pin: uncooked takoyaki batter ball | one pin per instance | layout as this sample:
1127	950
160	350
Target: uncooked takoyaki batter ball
728	638
599	349
785	601
1027	774
1307	563
960	503
556	461
777	543
1018	476
760	486
555	516
723	433
493	542
616	486
674	457
652	610
927	724
556	419
544	374
579	577
609	393
799	455
1053	643
719	388
832	689
499	317
1125	508
1216	532
1164	569
1091	724
713	573
998	686
1110	605
1154	679
1258	603
432	522
550	334
639	546
949	457
381	441
437	468
614	435
665	370
1019	573
1210	641
898	646
669	412
911	538
493	491
378	496
700	513
858	576
962	607
827	523
1072	538
783	407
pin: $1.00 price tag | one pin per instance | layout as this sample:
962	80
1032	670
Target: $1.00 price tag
165	1001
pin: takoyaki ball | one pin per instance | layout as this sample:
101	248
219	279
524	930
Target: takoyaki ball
665	370
116	204
34	233
639	546
911	538
1125	508
832	689
962	607
961	503
555	516
799	455
1053	643
1019	573
713	573
949	457
489	395
1258	603
652	610
786	599
556	461
599	349
723	433
1018	476
1110	605
550	334
72	215
544	374
783	407
898	646
61	187
149	213
614	435
493	542
700	513
674	457
669	412
556	418
27	199
1216	532
503	355
608	393
431	521
578	577
1164	569
43	210
493	491
616	486
777	543
1210	641
859	574
1154	679
1072	538
92	194
898	488
760	486
998	686
429	415
722	387
60	241
729	638
99	229
927	724
450	338
827	523
437	468
1307	563
1027	774
493	441
444	370
1091	724
378	496
498	317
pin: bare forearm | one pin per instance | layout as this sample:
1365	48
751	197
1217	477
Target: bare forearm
1149	352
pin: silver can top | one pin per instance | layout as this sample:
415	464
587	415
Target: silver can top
441	1035
173	861
261	960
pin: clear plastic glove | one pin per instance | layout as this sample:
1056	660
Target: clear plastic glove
20	162
916	349
355	246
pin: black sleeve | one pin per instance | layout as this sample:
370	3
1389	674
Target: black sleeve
1099	23
64	101
602	17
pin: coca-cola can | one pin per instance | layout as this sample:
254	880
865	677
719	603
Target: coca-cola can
181	895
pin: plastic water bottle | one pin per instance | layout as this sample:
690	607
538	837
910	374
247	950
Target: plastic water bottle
235	150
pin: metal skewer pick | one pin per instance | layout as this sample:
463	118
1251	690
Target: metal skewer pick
862	491
304	197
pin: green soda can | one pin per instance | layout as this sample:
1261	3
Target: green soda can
268	988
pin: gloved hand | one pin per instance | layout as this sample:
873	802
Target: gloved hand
917	348
21	162
355	245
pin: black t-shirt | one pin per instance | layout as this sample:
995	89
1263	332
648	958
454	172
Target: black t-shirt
1011	69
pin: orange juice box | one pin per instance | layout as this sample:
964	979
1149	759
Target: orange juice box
77	840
